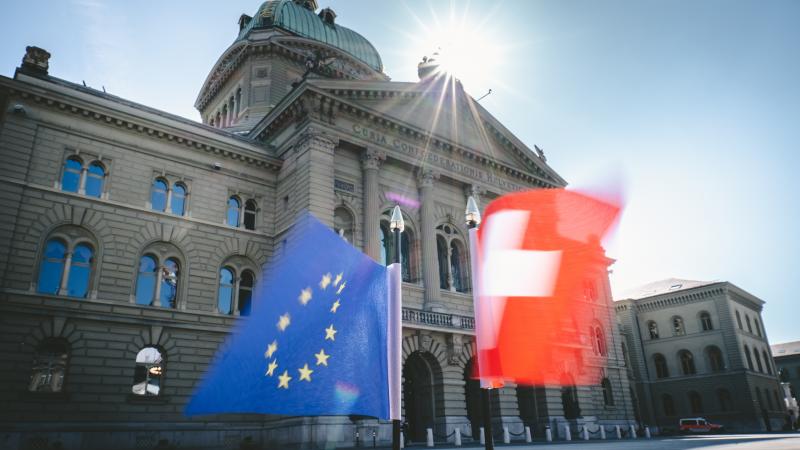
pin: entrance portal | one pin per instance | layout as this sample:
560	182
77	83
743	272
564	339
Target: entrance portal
418	397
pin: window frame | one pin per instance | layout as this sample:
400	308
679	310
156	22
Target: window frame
238	265
706	323
451	238
71	237
161	252
687	364
47	347
161	363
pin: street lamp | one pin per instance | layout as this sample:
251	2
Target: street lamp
397	225
472	216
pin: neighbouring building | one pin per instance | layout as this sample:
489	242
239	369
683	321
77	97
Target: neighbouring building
132	240
787	362
699	349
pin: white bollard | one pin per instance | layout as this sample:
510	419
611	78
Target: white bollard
458	437
430	437
585	433
647	432
483	437
528	436
402	441
619	432
633	432
603	433
567	433
506	436
548	435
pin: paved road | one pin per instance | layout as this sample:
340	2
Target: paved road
772	441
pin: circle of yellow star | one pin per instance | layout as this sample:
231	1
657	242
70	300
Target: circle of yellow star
337	279
339	291
284	322
322	358
272	366
325	281
305	373
335	306
330	333
284	380
305	296
271	348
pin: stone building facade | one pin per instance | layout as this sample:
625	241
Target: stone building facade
787	363
133	239
699	349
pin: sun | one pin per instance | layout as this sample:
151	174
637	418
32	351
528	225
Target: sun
466	48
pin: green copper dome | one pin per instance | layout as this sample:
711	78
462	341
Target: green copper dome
293	17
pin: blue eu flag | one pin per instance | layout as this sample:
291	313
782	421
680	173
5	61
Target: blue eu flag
316	342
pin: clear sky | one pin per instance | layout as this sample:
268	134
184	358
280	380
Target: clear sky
694	104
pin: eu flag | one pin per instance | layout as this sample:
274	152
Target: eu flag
316	342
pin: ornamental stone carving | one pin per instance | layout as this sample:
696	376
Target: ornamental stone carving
426	177
372	159
455	348
425	341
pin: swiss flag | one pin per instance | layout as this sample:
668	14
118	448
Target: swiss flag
539	318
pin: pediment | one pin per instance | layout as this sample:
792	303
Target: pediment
453	117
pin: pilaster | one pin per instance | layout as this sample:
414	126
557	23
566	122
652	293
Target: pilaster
315	175
371	161
430	268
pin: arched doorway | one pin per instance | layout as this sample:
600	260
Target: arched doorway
569	398
419	396
472	394
528	405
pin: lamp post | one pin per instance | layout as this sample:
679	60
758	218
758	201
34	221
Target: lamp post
472	216
397	225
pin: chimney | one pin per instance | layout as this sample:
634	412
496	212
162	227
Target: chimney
35	62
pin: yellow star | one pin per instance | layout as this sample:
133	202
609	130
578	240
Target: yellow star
284	322
330	333
305	373
305	296
326	280
339	291
337	279
284	380
271	348
272	366
335	306
322	358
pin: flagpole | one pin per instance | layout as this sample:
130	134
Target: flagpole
397	225
473	218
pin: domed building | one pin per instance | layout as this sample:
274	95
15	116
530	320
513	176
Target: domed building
132	240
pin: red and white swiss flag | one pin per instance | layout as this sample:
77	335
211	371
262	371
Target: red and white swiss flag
539	265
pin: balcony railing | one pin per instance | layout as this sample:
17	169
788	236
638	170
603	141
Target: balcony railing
416	316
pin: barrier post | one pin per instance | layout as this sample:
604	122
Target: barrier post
548	434
585	433
506	436
633	432
483	437
619	432
647	432
430	437
528	436
603	433
458	437
567	433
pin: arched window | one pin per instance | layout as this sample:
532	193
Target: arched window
95	178
236	285
598	340
705	321
661	366
760	398
608	394
66	267
49	366
225	293
695	402
250	214
52	268
234	205
178	201
725	400
758	360
625	357
652	328
343	225
589	292
246	286
749	325
715	362
452	258
758	329
407	256
766	361
677	326
749	358
158	277
739	320
669	405
148	373
687	362
71	178
158	198
569	401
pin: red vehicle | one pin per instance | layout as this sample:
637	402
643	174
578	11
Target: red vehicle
698	425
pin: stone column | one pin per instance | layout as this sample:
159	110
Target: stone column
371	161
430	265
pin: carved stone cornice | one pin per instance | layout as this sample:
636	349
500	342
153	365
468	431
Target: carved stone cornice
372	159
147	128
